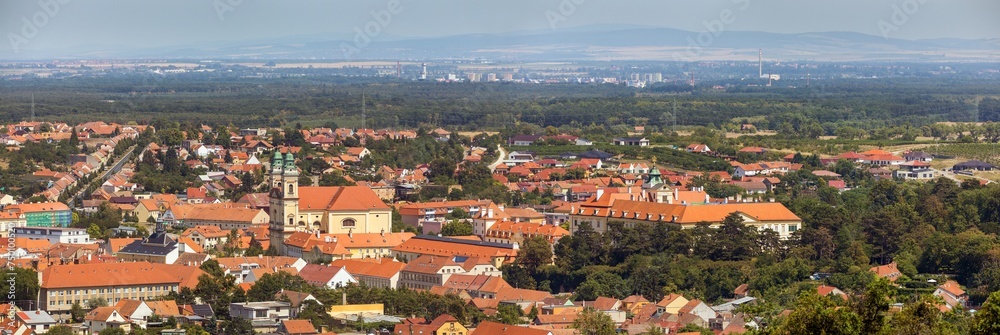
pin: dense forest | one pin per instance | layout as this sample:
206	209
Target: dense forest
312	101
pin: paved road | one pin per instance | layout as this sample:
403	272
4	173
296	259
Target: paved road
954	177
503	154
107	174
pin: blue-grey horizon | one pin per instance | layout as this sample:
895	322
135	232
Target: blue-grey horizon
67	24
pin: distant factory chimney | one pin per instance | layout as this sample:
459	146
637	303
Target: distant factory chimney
423	71
760	63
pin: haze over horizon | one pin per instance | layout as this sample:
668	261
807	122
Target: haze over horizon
128	24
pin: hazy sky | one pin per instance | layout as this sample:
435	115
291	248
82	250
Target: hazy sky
147	23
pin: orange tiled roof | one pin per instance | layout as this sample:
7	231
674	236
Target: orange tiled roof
953	288
118	274
298	326
690	213
446	248
494	328
339	198
481	283
384	268
207	231
233	263
889	271
519	294
217	212
100	314
36	207
526	229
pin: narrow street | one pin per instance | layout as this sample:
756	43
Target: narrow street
503	154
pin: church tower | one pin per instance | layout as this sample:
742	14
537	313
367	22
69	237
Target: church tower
655	190
284	199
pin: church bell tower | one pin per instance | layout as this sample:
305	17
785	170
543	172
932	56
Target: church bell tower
284	199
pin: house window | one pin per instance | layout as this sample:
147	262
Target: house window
349	223
291	189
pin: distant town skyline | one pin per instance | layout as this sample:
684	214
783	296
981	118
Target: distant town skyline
66	24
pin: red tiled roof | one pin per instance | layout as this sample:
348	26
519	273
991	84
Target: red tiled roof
298	326
339	198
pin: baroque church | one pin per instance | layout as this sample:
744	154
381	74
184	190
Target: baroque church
323	209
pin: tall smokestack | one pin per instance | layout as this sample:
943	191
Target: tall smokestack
760	63
423	71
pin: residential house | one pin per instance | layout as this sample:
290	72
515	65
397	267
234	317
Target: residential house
441	134
326	276
523	140
206	236
381	273
519	157
672	303
497	254
915	170
917	156
698	148
427	271
508	232
338	246
442	325
240	267
102	318
477	286
135	311
416	214
37	320
359	153
631	141
633	168
265	316
633	303
974	165
697	308
952	294
884	159
296	299
888	271
826	290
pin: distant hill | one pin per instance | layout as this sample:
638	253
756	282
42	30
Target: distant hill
581	43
